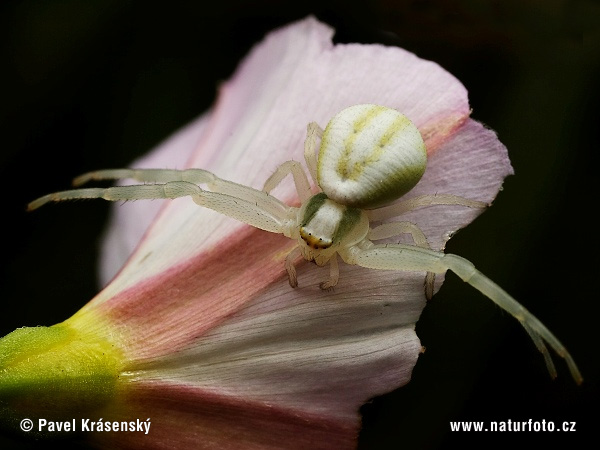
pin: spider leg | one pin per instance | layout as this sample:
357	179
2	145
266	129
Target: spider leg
392	229
412	258
310	143
334	271
290	268
334	274
195	176
293	167
249	212
422	201
300	179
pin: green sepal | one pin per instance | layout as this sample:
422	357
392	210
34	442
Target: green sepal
55	373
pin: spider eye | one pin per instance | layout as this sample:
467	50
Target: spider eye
317	243
370	155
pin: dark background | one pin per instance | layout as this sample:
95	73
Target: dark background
94	84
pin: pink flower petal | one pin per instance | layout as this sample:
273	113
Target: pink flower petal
183	417
203	308
472	163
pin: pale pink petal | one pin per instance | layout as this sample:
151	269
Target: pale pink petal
203	304
183	417
472	163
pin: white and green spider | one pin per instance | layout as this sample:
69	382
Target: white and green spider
369	156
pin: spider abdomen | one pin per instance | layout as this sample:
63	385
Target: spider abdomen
370	155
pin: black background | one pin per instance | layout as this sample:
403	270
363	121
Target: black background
94	84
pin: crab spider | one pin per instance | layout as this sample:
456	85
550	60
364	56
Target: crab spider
369	156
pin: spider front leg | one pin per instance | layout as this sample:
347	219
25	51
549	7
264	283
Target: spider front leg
195	176
293	167
411	258
391	229
277	218
300	179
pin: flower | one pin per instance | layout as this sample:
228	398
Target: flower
199	331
